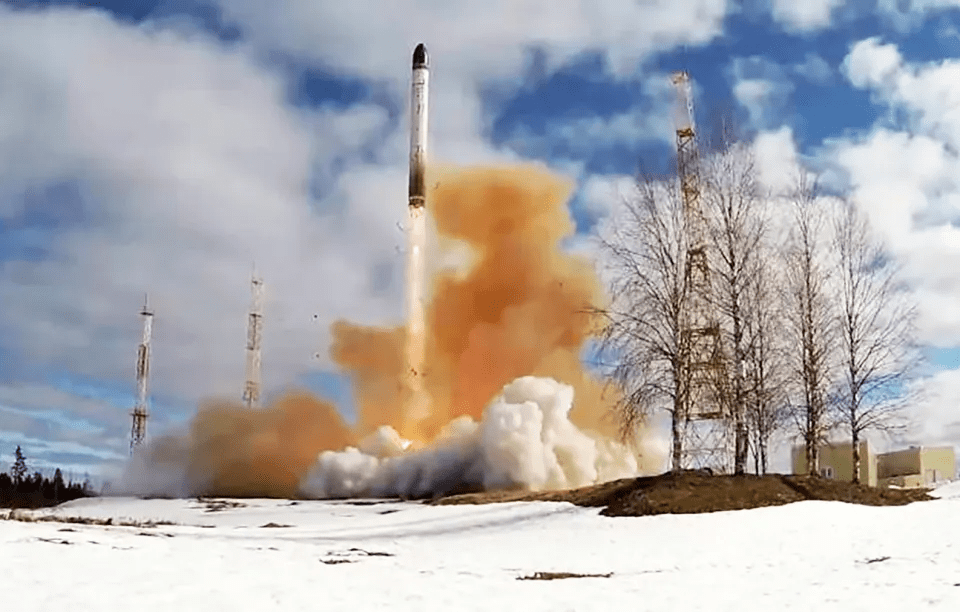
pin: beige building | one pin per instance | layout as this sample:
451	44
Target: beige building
836	461
917	466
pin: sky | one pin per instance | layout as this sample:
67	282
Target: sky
168	146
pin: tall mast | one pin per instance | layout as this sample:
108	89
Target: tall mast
251	389
138	433
700	331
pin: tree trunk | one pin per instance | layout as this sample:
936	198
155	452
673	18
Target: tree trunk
762	434
813	458
740	443
763	455
856	456
676	423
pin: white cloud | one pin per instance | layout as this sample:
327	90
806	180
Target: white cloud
907	178
777	159
870	64
896	177
934	419
814	68
576	139
755	95
929	93
810	16
600	194
908	14
475	41
893	171
762	88
803	16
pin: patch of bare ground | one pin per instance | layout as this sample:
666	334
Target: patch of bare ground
560	576
696	491
29	517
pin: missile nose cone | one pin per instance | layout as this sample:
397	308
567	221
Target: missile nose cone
420	57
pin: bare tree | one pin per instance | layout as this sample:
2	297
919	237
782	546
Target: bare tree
876	327
765	374
809	319
645	243
733	206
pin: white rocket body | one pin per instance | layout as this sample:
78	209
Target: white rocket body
419	111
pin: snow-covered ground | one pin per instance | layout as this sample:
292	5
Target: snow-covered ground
407	556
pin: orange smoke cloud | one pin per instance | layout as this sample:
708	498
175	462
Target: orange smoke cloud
264	453
521	308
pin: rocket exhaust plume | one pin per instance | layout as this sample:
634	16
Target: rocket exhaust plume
510	403
482	387
415	401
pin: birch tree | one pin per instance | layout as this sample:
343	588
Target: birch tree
879	353
645	247
733	205
765	374
810	321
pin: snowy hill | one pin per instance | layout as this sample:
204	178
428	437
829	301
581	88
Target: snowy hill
373	555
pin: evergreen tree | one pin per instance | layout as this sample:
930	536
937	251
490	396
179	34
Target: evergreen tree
57	484
19	467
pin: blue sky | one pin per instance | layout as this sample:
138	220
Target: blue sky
304	106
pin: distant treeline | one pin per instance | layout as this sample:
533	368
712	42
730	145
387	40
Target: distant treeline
18	490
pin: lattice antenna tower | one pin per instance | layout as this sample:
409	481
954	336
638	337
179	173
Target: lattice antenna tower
700	332
251	389
138	433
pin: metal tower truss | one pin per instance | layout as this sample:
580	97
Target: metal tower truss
706	435
708	443
251	388
138	433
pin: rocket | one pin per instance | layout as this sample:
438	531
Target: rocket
416	403
417	192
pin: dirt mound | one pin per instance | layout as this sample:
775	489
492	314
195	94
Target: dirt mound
691	492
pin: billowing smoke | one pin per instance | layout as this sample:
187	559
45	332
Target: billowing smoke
232	450
518	309
525	440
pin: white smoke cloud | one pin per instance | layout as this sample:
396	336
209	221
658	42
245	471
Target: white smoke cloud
525	440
